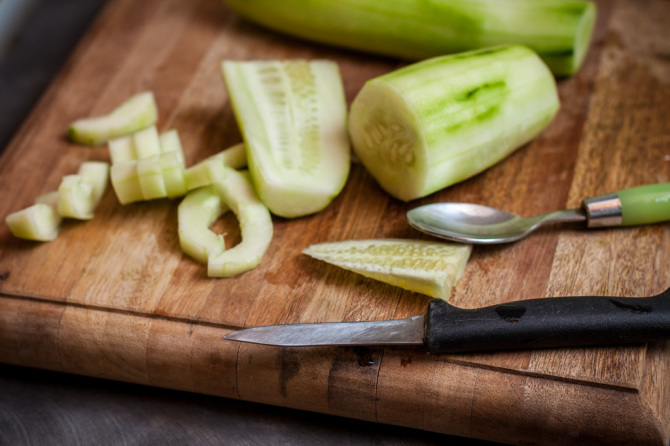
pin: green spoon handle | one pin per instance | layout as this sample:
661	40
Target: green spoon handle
645	204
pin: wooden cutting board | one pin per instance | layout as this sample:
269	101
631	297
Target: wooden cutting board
115	298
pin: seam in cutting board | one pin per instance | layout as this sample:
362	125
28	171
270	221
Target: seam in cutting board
529	373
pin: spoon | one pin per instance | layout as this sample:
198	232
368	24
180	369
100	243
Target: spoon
474	223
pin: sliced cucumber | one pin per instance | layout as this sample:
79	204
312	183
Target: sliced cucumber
558	30
443	120
209	170
144	144
95	173
126	182
136	113
172	167
293	118
429	268
237	192
39	222
196	213
150	176
75	198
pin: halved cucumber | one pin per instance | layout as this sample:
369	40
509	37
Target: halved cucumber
136	113
558	30
237	192
435	123
39	222
293	118
196	213
425	267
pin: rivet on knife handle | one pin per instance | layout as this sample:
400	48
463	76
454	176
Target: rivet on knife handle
548	322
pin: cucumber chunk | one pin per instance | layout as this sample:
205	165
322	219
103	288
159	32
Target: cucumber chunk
135	114
75	198
237	192
95	173
196	213
144	144
558	30
39	222
210	169
438	122
292	115
430	268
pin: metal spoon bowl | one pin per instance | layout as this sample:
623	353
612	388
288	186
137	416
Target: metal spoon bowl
474	223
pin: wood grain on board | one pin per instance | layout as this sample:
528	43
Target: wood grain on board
115	298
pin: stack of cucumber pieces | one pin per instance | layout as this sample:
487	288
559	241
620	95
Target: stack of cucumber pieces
487	89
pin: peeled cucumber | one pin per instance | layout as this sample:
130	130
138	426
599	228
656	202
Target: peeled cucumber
196	213
292	115
438	122
558	30
39	222
237	192
430	268
208	170
138	112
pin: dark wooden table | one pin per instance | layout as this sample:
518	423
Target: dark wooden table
42	407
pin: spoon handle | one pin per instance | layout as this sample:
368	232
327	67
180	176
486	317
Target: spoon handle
548	322
645	204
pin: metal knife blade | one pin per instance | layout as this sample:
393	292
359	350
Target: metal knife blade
534	323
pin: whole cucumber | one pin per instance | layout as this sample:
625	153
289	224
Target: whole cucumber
558	30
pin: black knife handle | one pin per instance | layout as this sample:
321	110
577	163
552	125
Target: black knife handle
548	322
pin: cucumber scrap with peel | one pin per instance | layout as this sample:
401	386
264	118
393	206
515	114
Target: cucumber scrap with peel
558	30
138	112
440	121
40	222
425	267
237	192
292	115
196	213
80	194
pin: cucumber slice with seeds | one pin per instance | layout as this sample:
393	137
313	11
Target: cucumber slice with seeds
430	268
237	192
558	30
435	123
136	113
196	213
293	118
39	222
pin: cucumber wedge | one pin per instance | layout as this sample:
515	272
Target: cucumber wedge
437	122
293	118
237	192
95	173
196	213
558	30
136	113
75	198
39	222
429	268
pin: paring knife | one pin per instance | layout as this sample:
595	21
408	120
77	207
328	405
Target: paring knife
535	323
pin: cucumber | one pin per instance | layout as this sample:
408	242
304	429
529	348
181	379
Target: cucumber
75	198
292	115
237	192
209	170
438	122
95	173
39	222
144	144
558	30
138	112
196	213
429	268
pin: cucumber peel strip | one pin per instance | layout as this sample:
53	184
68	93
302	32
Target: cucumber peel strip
138	112
196	213
430	268
237	192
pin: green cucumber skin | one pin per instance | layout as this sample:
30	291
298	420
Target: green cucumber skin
557	30
454	116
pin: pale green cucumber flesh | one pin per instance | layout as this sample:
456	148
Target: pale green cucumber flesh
126	182
209	170
95	173
429	268
39	222
438	122
135	114
293	118
150	176
237	192
196	213
75	198
558	30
